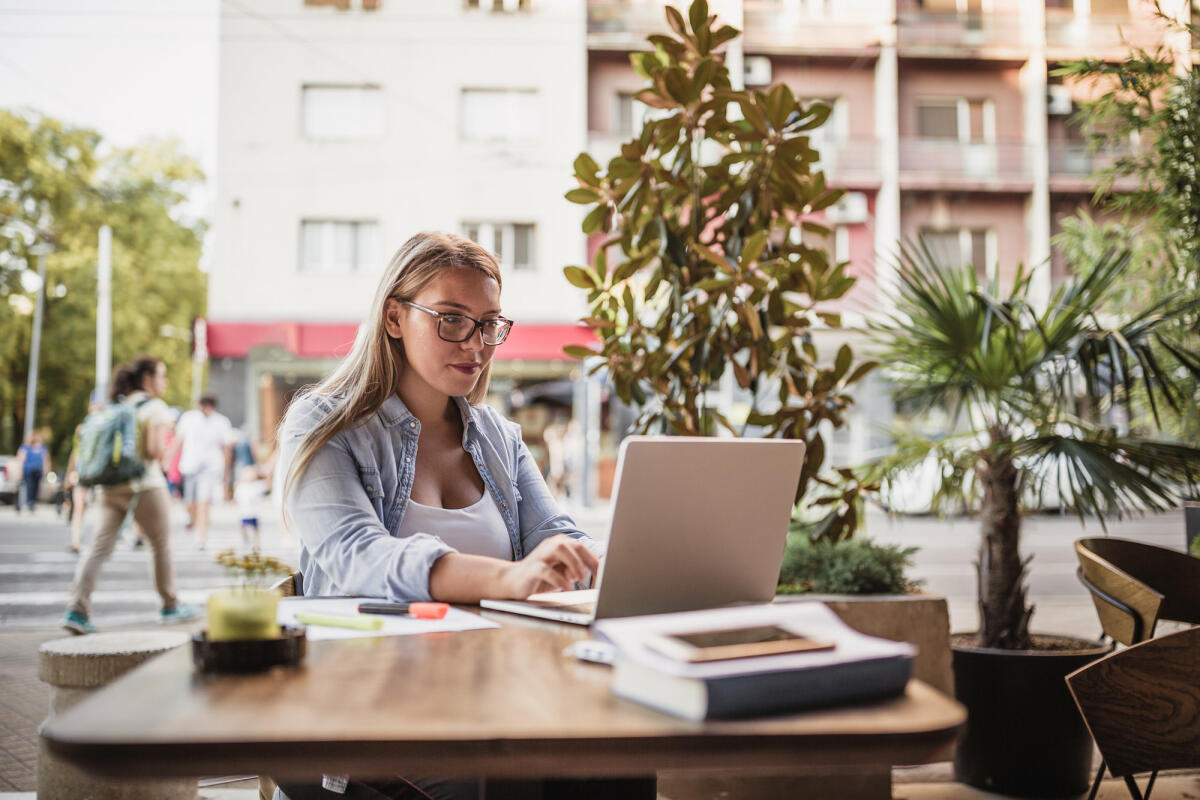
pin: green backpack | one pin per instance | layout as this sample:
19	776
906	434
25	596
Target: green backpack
108	446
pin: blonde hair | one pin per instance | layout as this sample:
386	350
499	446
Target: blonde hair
367	377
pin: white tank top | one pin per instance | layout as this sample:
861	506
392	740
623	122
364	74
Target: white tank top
478	529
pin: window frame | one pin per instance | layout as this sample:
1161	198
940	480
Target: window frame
361	260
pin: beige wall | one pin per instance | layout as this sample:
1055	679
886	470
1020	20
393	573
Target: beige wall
1002	214
852	82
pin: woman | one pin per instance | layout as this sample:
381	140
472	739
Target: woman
141	385
35	463
402	486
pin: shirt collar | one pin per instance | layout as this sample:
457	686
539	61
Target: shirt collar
394	412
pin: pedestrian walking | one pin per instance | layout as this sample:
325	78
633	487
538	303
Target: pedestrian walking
249	492
205	439
35	463
140	386
75	492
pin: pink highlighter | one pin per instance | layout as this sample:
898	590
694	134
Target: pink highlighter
418	610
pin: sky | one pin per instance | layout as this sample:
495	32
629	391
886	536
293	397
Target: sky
131	69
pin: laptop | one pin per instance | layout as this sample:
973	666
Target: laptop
698	522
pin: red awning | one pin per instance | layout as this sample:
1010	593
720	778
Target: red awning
528	342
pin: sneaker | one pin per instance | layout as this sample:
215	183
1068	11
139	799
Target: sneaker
77	623
179	613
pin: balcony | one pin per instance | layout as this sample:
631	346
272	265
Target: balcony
850	164
951	34
848	28
617	25
983	166
1071	36
847	164
1072	166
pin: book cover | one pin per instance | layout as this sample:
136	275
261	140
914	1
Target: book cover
859	668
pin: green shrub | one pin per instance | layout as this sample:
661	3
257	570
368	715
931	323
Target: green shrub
851	566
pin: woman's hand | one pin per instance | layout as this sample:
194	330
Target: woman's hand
556	564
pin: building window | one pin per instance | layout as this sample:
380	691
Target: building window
342	112
958	247
960	120
331	247
343	5
511	242
501	115
498	5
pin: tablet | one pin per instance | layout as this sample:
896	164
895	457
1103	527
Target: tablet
716	645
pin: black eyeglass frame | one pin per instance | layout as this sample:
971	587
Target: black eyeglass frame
477	324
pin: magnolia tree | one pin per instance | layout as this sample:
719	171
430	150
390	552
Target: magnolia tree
710	261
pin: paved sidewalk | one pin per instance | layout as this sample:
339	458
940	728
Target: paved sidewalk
944	563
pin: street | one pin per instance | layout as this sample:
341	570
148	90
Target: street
36	572
36	569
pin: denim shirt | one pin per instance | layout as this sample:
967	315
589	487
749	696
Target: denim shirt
348	503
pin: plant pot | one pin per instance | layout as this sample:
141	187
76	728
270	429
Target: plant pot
1191	526
1024	735
238	612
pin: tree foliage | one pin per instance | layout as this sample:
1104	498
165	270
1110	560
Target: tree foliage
1031	385
710	260
58	185
1152	98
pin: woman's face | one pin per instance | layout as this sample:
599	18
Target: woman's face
156	385
449	368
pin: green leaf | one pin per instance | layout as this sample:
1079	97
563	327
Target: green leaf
842	363
675	20
698	14
582	196
586	169
595	219
755	244
578	276
578	351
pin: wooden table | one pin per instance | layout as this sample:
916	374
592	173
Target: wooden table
501	702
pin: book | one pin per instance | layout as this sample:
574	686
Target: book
858	668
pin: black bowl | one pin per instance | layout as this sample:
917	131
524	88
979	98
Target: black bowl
248	655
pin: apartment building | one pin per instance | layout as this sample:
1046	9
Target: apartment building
345	125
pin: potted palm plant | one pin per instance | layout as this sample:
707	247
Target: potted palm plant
1032	391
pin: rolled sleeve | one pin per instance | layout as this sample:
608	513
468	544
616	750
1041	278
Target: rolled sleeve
540	515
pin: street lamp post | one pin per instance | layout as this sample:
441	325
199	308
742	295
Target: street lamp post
35	346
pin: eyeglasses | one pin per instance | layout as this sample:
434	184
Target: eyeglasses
459	327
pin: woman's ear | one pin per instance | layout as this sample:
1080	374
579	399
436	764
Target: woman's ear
391	318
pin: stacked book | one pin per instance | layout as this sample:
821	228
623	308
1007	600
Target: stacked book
751	661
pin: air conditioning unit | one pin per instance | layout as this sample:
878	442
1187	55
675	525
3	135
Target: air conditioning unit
1058	100
849	210
757	70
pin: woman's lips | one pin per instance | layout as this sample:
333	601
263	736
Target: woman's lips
466	369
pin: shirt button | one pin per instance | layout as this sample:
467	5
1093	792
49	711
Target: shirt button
412	424
503	506
408	459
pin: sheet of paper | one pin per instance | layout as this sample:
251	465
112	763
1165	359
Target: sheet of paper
455	619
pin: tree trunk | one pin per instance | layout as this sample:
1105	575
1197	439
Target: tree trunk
1003	614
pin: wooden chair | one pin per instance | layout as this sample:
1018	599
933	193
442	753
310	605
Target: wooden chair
1134	585
291	586
1142	705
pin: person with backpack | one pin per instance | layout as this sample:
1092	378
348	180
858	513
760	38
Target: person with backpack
35	463
119	450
